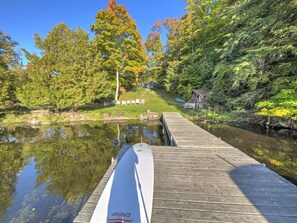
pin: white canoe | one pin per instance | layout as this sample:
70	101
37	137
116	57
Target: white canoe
128	195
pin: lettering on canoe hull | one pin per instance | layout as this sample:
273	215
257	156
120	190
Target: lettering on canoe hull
119	217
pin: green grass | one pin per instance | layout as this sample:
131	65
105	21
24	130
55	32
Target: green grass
160	101
155	101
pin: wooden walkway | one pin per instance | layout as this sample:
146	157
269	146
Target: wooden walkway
203	179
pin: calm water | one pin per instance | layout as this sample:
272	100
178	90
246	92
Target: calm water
48	173
277	149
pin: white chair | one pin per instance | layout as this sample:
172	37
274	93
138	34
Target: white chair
124	103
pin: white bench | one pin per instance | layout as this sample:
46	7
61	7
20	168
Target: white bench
131	102
189	105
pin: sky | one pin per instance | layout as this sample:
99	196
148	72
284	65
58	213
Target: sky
21	19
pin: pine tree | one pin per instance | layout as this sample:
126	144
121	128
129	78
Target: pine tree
9	67
67	74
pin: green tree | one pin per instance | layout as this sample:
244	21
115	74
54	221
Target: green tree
171	80
284	104
67	74
154	48
119	43
172	26
258	51
242	51
35	92
9	69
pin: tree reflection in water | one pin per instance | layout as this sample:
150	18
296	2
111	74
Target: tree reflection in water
277	152
48	173
11	164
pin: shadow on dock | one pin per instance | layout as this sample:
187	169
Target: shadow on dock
269	194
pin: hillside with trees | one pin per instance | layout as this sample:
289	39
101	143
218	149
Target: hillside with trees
242	51
72	70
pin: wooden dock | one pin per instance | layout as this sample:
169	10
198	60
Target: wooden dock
203	179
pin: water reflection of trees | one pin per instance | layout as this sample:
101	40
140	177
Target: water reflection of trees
17	134
285	163
11	163
277	153
132	133
69	160
72	159
71	167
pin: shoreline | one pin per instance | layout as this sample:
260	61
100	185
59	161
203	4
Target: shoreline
46	117
275	123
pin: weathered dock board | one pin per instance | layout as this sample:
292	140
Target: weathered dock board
204	179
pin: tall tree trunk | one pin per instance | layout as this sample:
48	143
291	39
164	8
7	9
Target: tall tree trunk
119	134
118	85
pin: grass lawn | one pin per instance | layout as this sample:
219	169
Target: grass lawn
155	101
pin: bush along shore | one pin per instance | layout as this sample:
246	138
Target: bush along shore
47	117
247	117
156	102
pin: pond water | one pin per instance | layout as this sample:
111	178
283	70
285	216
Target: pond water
276	149
48	173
